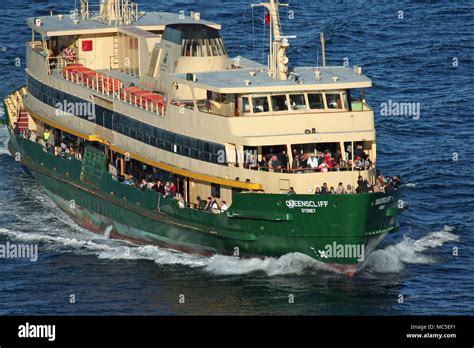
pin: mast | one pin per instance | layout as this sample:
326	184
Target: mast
278	60
85	9
118	11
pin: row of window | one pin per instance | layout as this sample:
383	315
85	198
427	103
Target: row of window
159	138
295	102
203	48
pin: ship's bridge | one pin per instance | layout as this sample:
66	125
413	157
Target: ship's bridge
248	90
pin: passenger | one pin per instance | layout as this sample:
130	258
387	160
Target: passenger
349	189
72	153
16	130
51	142
113	171
252	162
332	191
173	190
42	143
323	167
181	203
143	184
317	191
296	162
312	161
358	163
274	163
129	180
291	192
349	153
150	185
201	203
359	152
337	158
208	204
367	187
325	189
214	206
340	189
379	185
327	156
283	159
360	180
224	207
33	136
159	187
167	189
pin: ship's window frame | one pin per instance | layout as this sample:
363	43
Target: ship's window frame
298	107
322	97
272	99
254	107
245	102
339	103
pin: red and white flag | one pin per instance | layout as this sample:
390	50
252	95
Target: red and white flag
267	17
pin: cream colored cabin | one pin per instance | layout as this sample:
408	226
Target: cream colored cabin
236	104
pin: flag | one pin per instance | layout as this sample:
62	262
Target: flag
267	17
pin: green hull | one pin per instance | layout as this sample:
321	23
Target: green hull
256	224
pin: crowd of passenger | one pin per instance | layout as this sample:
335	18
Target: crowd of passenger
168	189
310	162
62	147
211	205
382	184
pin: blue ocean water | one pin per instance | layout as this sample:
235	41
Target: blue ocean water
424	54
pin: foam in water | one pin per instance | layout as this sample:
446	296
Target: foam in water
410	185
3	140
391	259
395	257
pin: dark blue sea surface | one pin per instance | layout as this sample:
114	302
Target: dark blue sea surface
410	59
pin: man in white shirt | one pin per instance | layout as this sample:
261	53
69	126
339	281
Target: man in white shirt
224	207
312	161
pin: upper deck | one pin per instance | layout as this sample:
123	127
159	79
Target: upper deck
65	25
257	80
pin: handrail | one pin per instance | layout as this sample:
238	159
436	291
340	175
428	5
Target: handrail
101	83
302	170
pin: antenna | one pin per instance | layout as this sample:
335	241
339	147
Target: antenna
118	11
323	49
85	9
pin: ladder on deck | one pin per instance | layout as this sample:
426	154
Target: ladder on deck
114	61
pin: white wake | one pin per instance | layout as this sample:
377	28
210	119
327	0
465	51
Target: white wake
393	258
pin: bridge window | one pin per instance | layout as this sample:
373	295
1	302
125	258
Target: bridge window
279	103
333	100
298	102
260	104
316	101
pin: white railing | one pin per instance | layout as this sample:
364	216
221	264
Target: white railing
112	88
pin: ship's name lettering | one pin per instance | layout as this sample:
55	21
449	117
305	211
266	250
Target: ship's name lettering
384	200
306	204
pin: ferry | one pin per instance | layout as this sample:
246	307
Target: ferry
141	127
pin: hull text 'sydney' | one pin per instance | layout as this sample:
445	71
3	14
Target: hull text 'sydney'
139	125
